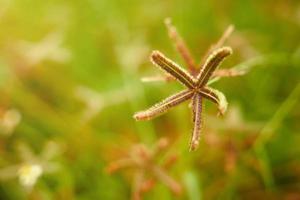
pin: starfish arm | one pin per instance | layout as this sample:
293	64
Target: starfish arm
197	119
211	64
172	68
218	44
180	45
164	105
215	96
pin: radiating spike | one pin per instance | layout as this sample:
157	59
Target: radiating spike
172	68
218	44
164	106
216	97
180	45
197	119
211	64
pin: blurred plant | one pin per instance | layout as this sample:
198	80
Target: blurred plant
131	52
95	101
9	121
49	48
32	166
234	121
196	82
147	170
131	55
233	124
268	131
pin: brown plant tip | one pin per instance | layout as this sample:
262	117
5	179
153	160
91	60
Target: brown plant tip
194	145
197	118
195	81
139	116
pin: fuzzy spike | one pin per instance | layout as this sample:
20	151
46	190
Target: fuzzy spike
211	64
164	106
172	68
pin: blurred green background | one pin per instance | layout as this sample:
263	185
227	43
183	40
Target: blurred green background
70	82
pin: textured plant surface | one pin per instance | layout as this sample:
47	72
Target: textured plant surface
196	82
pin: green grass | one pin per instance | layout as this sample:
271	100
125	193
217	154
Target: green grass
104	47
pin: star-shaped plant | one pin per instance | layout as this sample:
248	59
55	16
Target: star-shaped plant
147	170
195	81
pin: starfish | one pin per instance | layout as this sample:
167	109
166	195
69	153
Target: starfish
147	171
196	84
